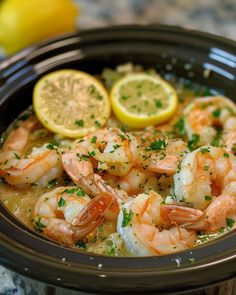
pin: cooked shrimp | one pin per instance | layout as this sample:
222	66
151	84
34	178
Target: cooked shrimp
162	156
141	223
113	150
205	115
206	172
35	169
136	181
213	219
16	141
66	217
79	167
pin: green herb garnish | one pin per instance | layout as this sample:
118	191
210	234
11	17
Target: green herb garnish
157	145
52	183
127	216
61	202
38	225
81	244
230	222
180	126
193	143
216	113
204	150
79	123
93	139
208	198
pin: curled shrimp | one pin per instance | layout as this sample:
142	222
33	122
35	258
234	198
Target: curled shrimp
65	217
146	231
79	167
114	150
205	173
206	115
35	169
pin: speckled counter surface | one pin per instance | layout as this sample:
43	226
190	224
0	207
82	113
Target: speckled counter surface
214	16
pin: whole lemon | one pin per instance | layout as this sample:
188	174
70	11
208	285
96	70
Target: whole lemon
24	22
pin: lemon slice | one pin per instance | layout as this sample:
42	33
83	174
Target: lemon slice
71	103
140	100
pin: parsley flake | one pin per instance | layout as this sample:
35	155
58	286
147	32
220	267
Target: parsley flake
127	216
80	244
180	126
79	123
230	222
93	139
216	113
38	225
52	183
157	145
204	150
193	143
61	202
80	193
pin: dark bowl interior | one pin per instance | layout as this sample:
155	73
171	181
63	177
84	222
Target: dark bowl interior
170	50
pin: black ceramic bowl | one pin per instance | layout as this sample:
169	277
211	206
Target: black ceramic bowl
185	53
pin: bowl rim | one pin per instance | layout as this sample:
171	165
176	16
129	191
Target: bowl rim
91	267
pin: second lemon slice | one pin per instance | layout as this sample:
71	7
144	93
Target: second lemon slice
71	103
140	100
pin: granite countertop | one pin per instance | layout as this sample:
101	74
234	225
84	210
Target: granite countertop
214	16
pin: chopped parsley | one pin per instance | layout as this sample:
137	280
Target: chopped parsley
79	123
125	97
111	251
52	183
193	143
92	153
61	202
17	157
226	155
127	216
230	222
158	103
93	139
204	150
70	190
208	198
74	190
38	225
115	147
216	113
81	244
180	126
52	146
157	145
82	157
98	124
80	193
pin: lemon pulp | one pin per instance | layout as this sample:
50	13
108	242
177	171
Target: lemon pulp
71	103
140	100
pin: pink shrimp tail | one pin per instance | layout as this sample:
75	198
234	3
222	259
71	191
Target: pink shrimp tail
91	216
181	215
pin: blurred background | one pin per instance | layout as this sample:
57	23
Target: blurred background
26	22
